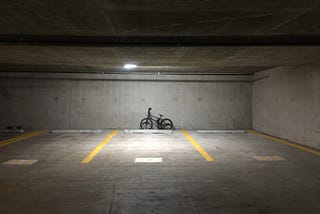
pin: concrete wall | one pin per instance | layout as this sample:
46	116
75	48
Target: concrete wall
286	104
90	104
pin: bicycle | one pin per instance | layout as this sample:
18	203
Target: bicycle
160	122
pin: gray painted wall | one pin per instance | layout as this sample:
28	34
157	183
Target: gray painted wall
83	104
287	104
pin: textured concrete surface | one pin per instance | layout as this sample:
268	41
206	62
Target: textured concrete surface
79	131
228	59
147	131
286	104
176	18
167	17
60	104
183	183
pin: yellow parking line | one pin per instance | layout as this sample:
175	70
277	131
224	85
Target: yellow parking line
197	146
307	149
99	147
21	137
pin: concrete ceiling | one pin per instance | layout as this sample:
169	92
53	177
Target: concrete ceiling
154	59
156	18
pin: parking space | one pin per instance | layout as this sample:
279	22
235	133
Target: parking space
184	181
125	148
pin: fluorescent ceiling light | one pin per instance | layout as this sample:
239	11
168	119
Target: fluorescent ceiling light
130	66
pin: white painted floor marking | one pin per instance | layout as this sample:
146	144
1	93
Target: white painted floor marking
269	158
148	160
19	162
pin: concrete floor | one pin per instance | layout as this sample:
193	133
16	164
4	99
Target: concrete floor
184	183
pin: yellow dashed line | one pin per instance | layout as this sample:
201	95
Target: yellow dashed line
21	137
99	147
197	146
307	149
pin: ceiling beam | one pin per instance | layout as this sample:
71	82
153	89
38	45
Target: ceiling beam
221	40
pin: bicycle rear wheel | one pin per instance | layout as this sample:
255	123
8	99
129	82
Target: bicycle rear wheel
166	124
146	123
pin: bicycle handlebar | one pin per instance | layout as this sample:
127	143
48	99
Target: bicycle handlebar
149	109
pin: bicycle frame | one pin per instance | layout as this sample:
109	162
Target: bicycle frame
154	119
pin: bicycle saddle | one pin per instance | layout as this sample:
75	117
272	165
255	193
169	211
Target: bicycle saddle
160	115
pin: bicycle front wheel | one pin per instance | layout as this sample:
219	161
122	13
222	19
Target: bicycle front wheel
166	124
146	123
